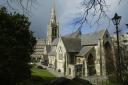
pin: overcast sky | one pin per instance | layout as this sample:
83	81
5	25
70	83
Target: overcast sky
66	11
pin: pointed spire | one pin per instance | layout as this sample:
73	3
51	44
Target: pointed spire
53	27
58	30
53	14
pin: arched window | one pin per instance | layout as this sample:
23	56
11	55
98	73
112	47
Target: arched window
91	65
55	32
109	58
60	54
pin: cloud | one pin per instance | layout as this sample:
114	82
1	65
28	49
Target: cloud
67	11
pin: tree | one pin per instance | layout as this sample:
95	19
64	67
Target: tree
16	46
24	5
94	9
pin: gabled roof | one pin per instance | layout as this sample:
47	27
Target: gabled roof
92	38
85	50
76	34
72	44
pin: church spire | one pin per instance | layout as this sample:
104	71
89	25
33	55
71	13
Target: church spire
53	28
53	13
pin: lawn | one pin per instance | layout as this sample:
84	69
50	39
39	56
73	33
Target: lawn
43	77
42	73
39	77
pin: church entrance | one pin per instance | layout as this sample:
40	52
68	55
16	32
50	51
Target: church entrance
78	70
91	65
109	58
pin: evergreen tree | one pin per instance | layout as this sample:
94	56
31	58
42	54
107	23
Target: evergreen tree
16	46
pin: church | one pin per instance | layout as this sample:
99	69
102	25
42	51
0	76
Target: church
80	55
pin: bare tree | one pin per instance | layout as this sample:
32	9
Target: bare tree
25	5
96	8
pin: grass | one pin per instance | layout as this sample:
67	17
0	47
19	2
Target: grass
42	73
43	77
39	77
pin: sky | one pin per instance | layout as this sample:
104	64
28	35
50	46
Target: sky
67	11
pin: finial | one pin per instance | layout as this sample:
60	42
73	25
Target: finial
53	14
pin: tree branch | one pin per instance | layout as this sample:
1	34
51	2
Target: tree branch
25	5
96	8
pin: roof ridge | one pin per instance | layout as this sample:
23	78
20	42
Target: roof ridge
104	32
95	31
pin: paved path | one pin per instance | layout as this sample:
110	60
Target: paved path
57	74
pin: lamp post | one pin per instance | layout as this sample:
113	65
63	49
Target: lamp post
116	20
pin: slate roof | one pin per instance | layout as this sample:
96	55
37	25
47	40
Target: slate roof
92	38
72	44
85	50
76	34
41	42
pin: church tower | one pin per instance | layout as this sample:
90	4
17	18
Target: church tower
53	28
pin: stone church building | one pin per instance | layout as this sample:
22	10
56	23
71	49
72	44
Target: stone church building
83	55
80	55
